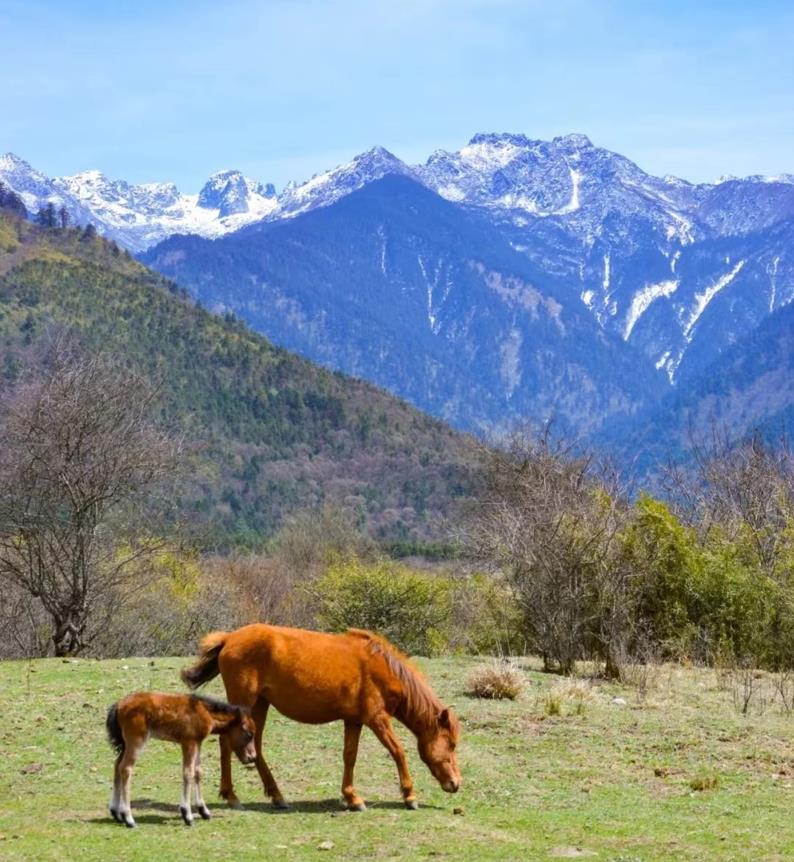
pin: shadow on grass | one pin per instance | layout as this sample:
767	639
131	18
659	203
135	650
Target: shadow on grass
305	806
329	806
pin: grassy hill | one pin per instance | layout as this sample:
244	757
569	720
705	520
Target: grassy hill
276	432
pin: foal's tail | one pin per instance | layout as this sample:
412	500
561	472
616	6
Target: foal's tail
115	735
206	668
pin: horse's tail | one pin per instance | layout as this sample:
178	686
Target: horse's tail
115	736
206	668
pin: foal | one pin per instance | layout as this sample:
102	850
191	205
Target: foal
182	718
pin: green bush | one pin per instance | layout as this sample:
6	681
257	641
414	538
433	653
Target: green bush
411	609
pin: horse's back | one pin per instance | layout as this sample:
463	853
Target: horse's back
308	676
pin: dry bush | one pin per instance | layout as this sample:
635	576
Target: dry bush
498	680
573	691
706	781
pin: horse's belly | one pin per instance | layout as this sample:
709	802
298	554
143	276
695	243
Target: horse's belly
314	703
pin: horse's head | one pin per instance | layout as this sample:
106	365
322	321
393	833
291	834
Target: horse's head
437	749
241	737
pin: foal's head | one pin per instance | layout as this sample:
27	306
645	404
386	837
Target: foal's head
241	736
437	745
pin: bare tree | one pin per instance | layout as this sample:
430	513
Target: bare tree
550	518
77	449
742	486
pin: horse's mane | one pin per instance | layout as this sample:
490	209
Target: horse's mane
420	702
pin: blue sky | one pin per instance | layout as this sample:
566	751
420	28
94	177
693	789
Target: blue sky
170	89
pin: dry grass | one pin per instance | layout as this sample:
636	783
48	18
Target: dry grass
498	680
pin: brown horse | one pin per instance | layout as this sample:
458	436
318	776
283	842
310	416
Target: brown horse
357	677
182	718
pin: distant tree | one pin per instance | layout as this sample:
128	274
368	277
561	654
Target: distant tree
77	448
46	216
63	217
89	232
12	202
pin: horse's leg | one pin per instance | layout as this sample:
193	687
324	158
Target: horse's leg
189	752
259	714
126	765
381	727
227	788
352	799
201	805
115	796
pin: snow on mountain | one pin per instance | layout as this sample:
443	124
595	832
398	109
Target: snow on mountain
139	216
326	188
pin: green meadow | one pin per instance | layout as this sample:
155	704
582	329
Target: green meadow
570	769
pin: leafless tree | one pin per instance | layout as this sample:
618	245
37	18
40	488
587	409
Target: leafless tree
735	486
77	449
550	518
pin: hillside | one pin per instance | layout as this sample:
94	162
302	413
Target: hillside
396	284
748	388
275	432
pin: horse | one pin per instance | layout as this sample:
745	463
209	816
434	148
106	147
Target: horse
357	677
182	718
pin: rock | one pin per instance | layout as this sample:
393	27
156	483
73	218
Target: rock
32	768
325	845
620	701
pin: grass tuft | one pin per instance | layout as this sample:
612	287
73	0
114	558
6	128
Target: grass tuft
498	680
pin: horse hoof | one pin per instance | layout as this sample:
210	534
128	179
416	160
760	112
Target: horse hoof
204	812
411	804
281	804
183	813
130	824
114	814
359	806
235	804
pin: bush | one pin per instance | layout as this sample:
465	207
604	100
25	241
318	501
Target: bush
496	681
412	609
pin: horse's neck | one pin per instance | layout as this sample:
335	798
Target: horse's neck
418	710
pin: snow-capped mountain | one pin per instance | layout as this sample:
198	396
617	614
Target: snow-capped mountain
139	216
679	271
676	269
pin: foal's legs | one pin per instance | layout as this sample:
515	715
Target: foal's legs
126	764
381	727
259	714
189	754
352	735
201	806
115	796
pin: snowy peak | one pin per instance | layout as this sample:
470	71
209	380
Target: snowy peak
231	193
326	188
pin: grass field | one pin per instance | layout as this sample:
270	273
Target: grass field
603	779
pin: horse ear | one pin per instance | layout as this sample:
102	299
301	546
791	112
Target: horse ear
443	718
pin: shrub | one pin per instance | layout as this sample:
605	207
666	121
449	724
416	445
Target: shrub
412	609
498	680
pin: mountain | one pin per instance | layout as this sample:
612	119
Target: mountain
748	388
272	432
138	216
677	271
394	283
648	256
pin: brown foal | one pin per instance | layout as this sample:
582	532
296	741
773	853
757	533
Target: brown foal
182	718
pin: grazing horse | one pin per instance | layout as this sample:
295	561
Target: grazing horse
357	677
187	719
